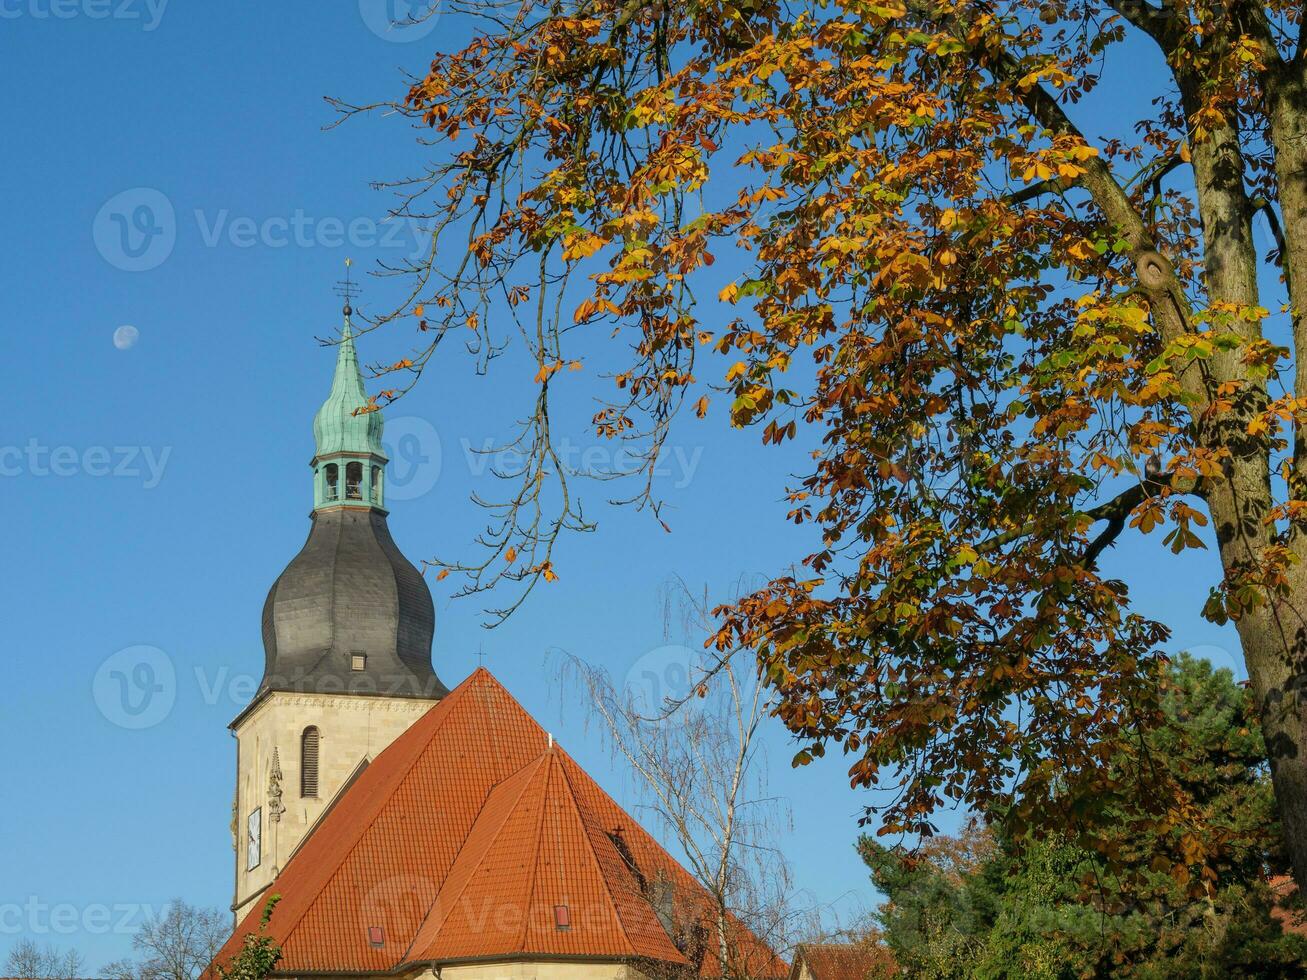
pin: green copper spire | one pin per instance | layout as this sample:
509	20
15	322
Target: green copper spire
349	462
337	428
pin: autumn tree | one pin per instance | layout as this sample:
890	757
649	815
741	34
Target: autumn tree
1014	333
976	905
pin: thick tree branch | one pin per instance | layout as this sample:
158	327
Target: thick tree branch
1250	18
1114	511
1039	189
628	12
1098	178
1267	210
1170	304
1159	23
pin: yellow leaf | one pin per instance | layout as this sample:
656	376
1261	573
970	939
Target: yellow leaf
728	294
582	248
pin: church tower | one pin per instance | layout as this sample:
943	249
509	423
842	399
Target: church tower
347	631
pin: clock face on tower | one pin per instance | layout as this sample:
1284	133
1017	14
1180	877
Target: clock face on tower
254	839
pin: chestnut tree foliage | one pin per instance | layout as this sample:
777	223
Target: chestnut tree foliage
1011	338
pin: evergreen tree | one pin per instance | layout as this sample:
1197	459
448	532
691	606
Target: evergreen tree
989	904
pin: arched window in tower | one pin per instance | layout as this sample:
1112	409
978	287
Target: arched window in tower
332	472
354	481
376	485
309	763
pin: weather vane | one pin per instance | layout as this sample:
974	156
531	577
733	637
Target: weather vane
347	289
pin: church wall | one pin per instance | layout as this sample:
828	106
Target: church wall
352	729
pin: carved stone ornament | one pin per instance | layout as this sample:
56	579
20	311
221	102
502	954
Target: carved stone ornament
275	807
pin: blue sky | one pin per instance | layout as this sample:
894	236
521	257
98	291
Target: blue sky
155	489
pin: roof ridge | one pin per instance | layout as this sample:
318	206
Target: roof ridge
488	686
545	759
436	902
576	805
376	801
635	824
666	860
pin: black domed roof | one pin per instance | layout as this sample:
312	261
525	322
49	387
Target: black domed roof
349	593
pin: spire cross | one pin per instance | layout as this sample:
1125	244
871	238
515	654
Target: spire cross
481	654
347	289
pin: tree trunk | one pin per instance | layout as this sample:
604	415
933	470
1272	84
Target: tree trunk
1274	636
1288	120
1275	651
1275	640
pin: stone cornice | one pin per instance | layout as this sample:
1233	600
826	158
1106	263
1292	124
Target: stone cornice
335	702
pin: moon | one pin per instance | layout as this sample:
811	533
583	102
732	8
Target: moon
125	337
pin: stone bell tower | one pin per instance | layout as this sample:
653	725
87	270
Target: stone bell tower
347	631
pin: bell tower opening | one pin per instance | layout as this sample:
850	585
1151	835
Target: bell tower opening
354	480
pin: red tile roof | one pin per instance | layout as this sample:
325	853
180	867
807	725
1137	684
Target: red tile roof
472	837
1290	918
844	961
